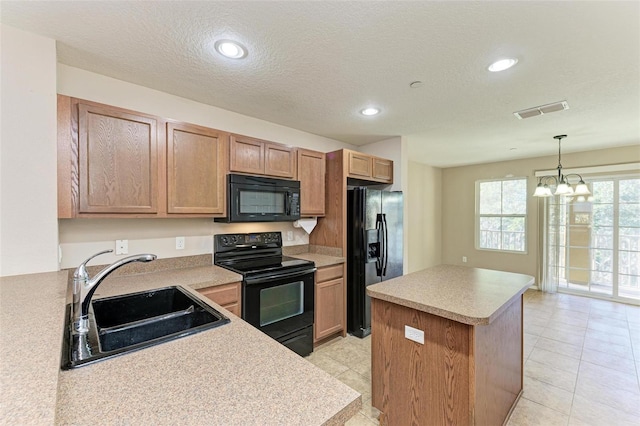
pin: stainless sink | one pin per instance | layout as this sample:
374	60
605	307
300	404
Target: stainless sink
129	322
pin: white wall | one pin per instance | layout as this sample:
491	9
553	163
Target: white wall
458	206
81	237
99	88
423	217
28	212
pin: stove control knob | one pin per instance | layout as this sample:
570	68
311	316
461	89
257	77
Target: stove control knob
224	241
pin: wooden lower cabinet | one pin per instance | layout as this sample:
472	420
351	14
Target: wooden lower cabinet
329	313
227	295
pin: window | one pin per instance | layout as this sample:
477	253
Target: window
501	215
593	245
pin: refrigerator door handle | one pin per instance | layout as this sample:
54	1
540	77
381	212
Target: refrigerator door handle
385	241
380	259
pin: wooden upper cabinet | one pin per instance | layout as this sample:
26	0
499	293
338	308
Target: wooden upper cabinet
247	155
369	167
118	161
359	165
279	160
196	169
382	170
114	162
311	174
258	157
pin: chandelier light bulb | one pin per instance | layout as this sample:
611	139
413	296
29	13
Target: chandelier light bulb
582	189
563	189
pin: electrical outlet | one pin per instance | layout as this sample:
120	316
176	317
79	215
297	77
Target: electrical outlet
414	334
122	246
289	235
464	259
179	243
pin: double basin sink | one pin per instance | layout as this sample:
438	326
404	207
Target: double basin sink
130	322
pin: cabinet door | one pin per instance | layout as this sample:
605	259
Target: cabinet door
247	155
329	309
382	170
279	160
311	172
196	169
226	295
118	156
359	165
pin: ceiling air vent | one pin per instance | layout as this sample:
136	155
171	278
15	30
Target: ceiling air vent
541	110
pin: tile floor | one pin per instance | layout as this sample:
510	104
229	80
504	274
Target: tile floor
581	363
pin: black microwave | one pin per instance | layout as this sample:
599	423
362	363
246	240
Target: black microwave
261	199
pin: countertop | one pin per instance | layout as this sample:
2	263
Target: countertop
468	295
229	375
320	260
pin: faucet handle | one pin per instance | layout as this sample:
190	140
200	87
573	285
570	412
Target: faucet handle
81	270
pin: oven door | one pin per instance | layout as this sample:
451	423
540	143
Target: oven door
281	305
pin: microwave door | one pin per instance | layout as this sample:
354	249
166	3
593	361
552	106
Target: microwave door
259	203
258	199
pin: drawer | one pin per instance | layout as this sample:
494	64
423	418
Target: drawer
233	308
329	273
226	294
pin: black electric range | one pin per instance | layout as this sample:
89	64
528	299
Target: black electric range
277	290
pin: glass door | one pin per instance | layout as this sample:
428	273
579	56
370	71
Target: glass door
593	244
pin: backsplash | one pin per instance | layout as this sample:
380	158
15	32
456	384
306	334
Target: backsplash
155	266
80	238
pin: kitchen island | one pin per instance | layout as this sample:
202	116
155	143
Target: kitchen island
460	360
229	375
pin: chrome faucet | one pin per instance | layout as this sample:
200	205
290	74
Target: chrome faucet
84	287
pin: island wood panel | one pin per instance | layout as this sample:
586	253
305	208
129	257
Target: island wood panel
247	155
118	161
498	366
196	169
463	374
419	384
311	174
279	160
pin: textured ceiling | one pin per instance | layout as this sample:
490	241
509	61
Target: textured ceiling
313	65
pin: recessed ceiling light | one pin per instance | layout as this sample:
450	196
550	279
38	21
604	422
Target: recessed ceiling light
502	64
230	49
370	111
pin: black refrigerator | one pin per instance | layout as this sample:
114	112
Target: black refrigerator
374	249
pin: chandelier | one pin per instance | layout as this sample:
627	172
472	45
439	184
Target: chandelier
561	182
